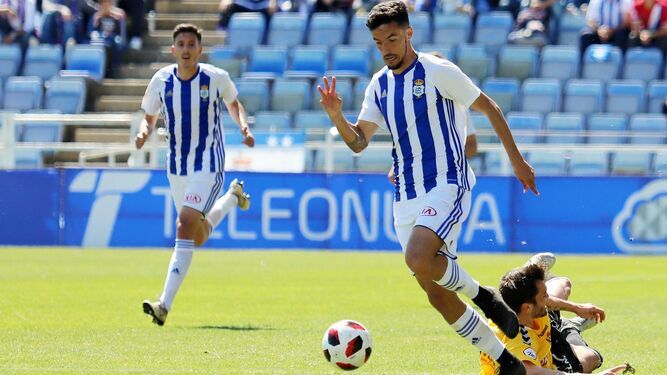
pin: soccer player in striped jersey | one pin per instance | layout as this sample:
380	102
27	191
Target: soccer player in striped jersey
190	95
422	101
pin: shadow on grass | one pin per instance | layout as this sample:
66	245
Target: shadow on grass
237	328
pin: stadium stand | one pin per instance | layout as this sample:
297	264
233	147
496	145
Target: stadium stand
23	93
10	60
612	124
286	29
451	29
540	95
560	62
43	61
327	29
290	95
583	96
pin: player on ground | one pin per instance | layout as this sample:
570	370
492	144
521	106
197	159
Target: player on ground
190	96
422	101
548	343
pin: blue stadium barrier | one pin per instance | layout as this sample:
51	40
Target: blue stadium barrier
125	208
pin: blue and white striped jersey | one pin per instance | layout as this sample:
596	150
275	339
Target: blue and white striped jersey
425	109
191	112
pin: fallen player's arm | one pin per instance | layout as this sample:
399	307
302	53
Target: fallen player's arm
585	310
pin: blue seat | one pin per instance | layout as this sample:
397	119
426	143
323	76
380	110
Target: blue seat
474	61
636	163
627	97
655	125
327	29
47	132
27	159
642	63
569	28
589	163
569	127
518	62
254	95
89	59
312	120
359	93
43	61
350	61
67	95
447	52
660	163
548	163
541	95
359	35
23	93
560	62
286	29
504	91
492	29
526	126
245	31
344	89
10	60
290	95
227	58
657	94
602	61
267	62
421	24
482	125
615	124
276	120
451	29
584	96
308	62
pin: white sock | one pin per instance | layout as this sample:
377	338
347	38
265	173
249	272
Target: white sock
178	268
221	208
473	328
458	280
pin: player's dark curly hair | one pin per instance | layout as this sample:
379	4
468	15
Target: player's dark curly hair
388	12
187	28
519	285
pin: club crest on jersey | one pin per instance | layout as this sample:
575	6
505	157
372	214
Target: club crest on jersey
418	88
203	92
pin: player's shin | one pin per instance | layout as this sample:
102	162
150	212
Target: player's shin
458	280
178	268
473	328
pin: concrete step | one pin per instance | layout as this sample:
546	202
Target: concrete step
140	71
120	87
165	38
155	54
167	21
118	103
199	6
102	135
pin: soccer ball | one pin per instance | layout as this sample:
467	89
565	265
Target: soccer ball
347	344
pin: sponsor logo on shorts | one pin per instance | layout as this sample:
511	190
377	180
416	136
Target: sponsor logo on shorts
429	211
530	353
192	198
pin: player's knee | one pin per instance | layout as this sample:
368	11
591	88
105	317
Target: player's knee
416	261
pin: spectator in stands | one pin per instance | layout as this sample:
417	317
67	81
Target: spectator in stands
17	21
531	24
107	28
61	22
340	6
229	7
608	22
649	25
136	14
477	7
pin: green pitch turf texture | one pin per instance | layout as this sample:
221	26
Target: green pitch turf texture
79	311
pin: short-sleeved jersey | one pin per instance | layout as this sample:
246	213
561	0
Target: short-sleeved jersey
425	109
531	345
191	112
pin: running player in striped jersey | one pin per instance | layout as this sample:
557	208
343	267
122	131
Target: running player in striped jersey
190	96
422	101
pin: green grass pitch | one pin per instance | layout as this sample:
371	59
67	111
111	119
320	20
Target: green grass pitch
79	311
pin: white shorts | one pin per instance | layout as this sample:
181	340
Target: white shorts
442	210
198	191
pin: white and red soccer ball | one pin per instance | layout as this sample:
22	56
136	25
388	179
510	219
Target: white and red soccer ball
347	344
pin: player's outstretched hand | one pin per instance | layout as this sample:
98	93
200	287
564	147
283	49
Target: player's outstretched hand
140	139
248	138
525	173
329	99
620	369
590	311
